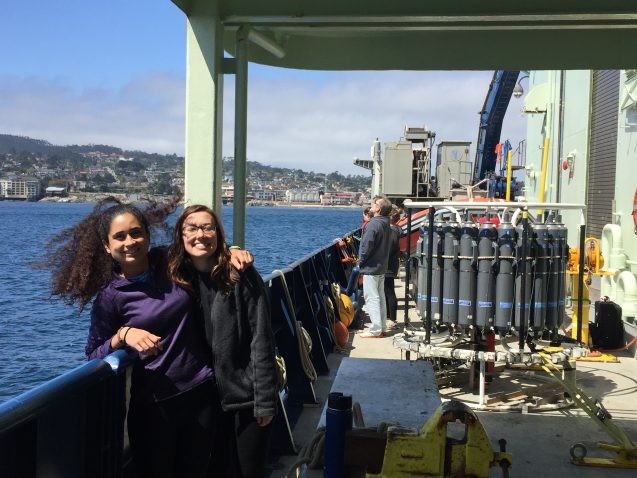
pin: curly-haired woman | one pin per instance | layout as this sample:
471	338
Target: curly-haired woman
173	401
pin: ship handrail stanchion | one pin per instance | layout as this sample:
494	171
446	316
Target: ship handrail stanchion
580	281
408	268
430	253
524	305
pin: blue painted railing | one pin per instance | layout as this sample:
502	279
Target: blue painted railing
70	426
73	425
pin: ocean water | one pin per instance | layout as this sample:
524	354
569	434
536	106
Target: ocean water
41	338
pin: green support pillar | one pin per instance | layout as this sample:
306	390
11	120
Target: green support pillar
204	109
240	138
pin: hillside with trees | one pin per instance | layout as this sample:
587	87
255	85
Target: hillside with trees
103	168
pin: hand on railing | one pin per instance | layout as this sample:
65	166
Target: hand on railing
143	341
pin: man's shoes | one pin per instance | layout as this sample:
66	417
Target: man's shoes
370	335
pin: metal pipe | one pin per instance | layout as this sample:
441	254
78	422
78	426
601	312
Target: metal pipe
240	138
443	206
481	205
523	263
510	356
545	161
430	265
560	139
481	401
408	268
509	173
266	43
580	281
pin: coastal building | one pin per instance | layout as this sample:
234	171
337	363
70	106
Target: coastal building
55	191
302	196
48	172
268	194
78	185
338	198
20	187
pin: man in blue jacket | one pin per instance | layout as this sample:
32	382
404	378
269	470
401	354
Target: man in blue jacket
374	256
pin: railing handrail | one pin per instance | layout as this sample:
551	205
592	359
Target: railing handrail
288	268
29	404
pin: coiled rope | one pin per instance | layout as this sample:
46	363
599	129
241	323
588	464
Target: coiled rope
312	453
303	339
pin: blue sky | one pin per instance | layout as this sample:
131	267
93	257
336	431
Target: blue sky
112	72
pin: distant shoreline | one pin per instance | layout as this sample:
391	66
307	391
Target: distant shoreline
95	197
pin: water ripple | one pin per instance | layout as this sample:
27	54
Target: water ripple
41	338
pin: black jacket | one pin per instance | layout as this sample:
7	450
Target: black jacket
239	333
394	251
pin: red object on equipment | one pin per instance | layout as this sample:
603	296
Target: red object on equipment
493	220
635	211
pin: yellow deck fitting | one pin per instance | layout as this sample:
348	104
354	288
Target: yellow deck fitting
598	357
624	449
432	453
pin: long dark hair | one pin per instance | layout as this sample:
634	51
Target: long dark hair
180	267
76	256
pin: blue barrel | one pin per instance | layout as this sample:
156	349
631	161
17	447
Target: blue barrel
338	419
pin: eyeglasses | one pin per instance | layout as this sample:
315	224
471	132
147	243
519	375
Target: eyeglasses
207	229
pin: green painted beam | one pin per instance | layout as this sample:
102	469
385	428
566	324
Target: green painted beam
427	35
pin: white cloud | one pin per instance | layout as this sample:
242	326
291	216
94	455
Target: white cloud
147	114
311	121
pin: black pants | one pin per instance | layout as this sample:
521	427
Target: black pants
174	437
241	446
390	298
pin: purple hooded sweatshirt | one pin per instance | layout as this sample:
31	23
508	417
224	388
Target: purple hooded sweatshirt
159	306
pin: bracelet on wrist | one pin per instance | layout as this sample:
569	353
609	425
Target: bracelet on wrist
120	341
124	344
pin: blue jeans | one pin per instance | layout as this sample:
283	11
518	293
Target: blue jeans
352	282
374	293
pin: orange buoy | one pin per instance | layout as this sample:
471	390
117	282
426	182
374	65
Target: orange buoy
341	333
345	309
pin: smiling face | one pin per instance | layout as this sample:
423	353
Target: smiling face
127	243
200	238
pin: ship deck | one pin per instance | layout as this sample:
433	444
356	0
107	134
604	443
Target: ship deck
539	441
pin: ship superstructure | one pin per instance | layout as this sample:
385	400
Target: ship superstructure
581	108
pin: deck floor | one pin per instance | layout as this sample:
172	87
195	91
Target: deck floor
538	441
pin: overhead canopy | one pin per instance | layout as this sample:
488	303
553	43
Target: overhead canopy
428	35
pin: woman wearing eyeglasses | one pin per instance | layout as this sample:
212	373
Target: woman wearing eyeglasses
236	318
172	408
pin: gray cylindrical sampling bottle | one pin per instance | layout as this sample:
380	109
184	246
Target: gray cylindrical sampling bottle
485	288
505	279
524	267
542	253
467	277
421	251
552	285
438	270
562	240
450	277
